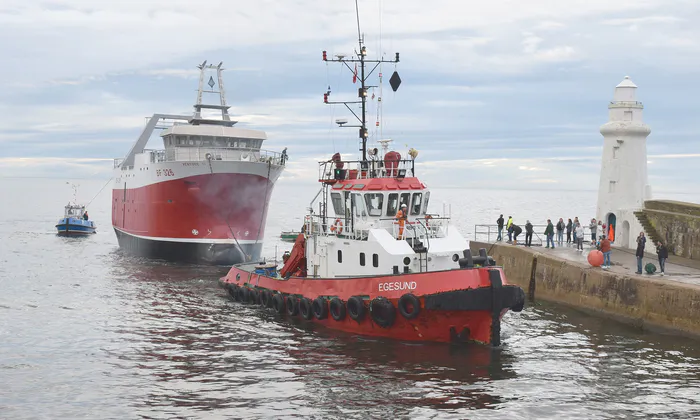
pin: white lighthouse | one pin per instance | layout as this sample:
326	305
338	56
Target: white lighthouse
623	173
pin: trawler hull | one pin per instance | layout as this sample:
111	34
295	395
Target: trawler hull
461	305
210	218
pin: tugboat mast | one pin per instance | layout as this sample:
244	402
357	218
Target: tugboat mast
361	58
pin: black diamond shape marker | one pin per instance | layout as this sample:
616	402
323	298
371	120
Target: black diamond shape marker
395	81
211	82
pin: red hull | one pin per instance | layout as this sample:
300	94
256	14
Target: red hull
456	305
205	210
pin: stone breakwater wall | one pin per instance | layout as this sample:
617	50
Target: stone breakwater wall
649	303
678	224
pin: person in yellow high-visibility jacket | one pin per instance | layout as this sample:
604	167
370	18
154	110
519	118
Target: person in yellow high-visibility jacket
401	216
509	229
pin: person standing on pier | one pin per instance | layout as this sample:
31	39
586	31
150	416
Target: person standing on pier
500	222
509	228
578	234
662	252
529	230
606	249
569	228
641	243
560	231
575	230
549	233
593	227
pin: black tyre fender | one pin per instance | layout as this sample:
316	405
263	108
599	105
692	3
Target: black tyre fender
266	298
320	308
409	306
337	309
243	294
253	296
305	308
382	312
356	308
292	305
232	290
278	303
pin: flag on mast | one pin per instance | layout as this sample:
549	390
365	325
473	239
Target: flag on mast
354	74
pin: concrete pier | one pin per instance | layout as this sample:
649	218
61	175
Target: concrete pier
563	275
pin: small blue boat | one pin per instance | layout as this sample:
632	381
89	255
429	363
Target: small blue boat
75	222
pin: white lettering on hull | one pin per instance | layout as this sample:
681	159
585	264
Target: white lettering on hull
397	285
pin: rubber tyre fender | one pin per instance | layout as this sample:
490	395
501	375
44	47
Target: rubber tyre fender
382	312
409	306
278	303
337	309
356	308
266	298
320	308
292	305
305	308
232	290
243	293
253	296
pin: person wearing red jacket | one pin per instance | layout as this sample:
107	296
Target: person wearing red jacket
606	249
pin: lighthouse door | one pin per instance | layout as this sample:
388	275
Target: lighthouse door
611	228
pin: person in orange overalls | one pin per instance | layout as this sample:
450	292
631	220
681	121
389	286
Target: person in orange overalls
401	216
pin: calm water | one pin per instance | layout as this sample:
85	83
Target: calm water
86	332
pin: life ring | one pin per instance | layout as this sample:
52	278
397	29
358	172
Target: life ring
427	220
292	306
337	225
382	312
305	308
409	306
356	308
320	308
278	303
337	309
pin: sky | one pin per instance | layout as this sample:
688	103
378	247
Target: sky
494	94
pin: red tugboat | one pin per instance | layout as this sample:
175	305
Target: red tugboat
377	262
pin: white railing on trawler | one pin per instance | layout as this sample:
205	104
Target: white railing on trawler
342	170
200	154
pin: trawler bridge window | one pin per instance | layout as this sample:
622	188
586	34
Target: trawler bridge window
415	206
392	205
338	206
374	203
362	259
425	203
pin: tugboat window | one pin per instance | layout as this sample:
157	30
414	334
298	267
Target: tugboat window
405	199
375	260
359	205
362	259
338	207
415	206
392	205
340	256
425	204
374	203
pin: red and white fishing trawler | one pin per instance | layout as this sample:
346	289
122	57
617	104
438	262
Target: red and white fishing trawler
204	197
363	265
